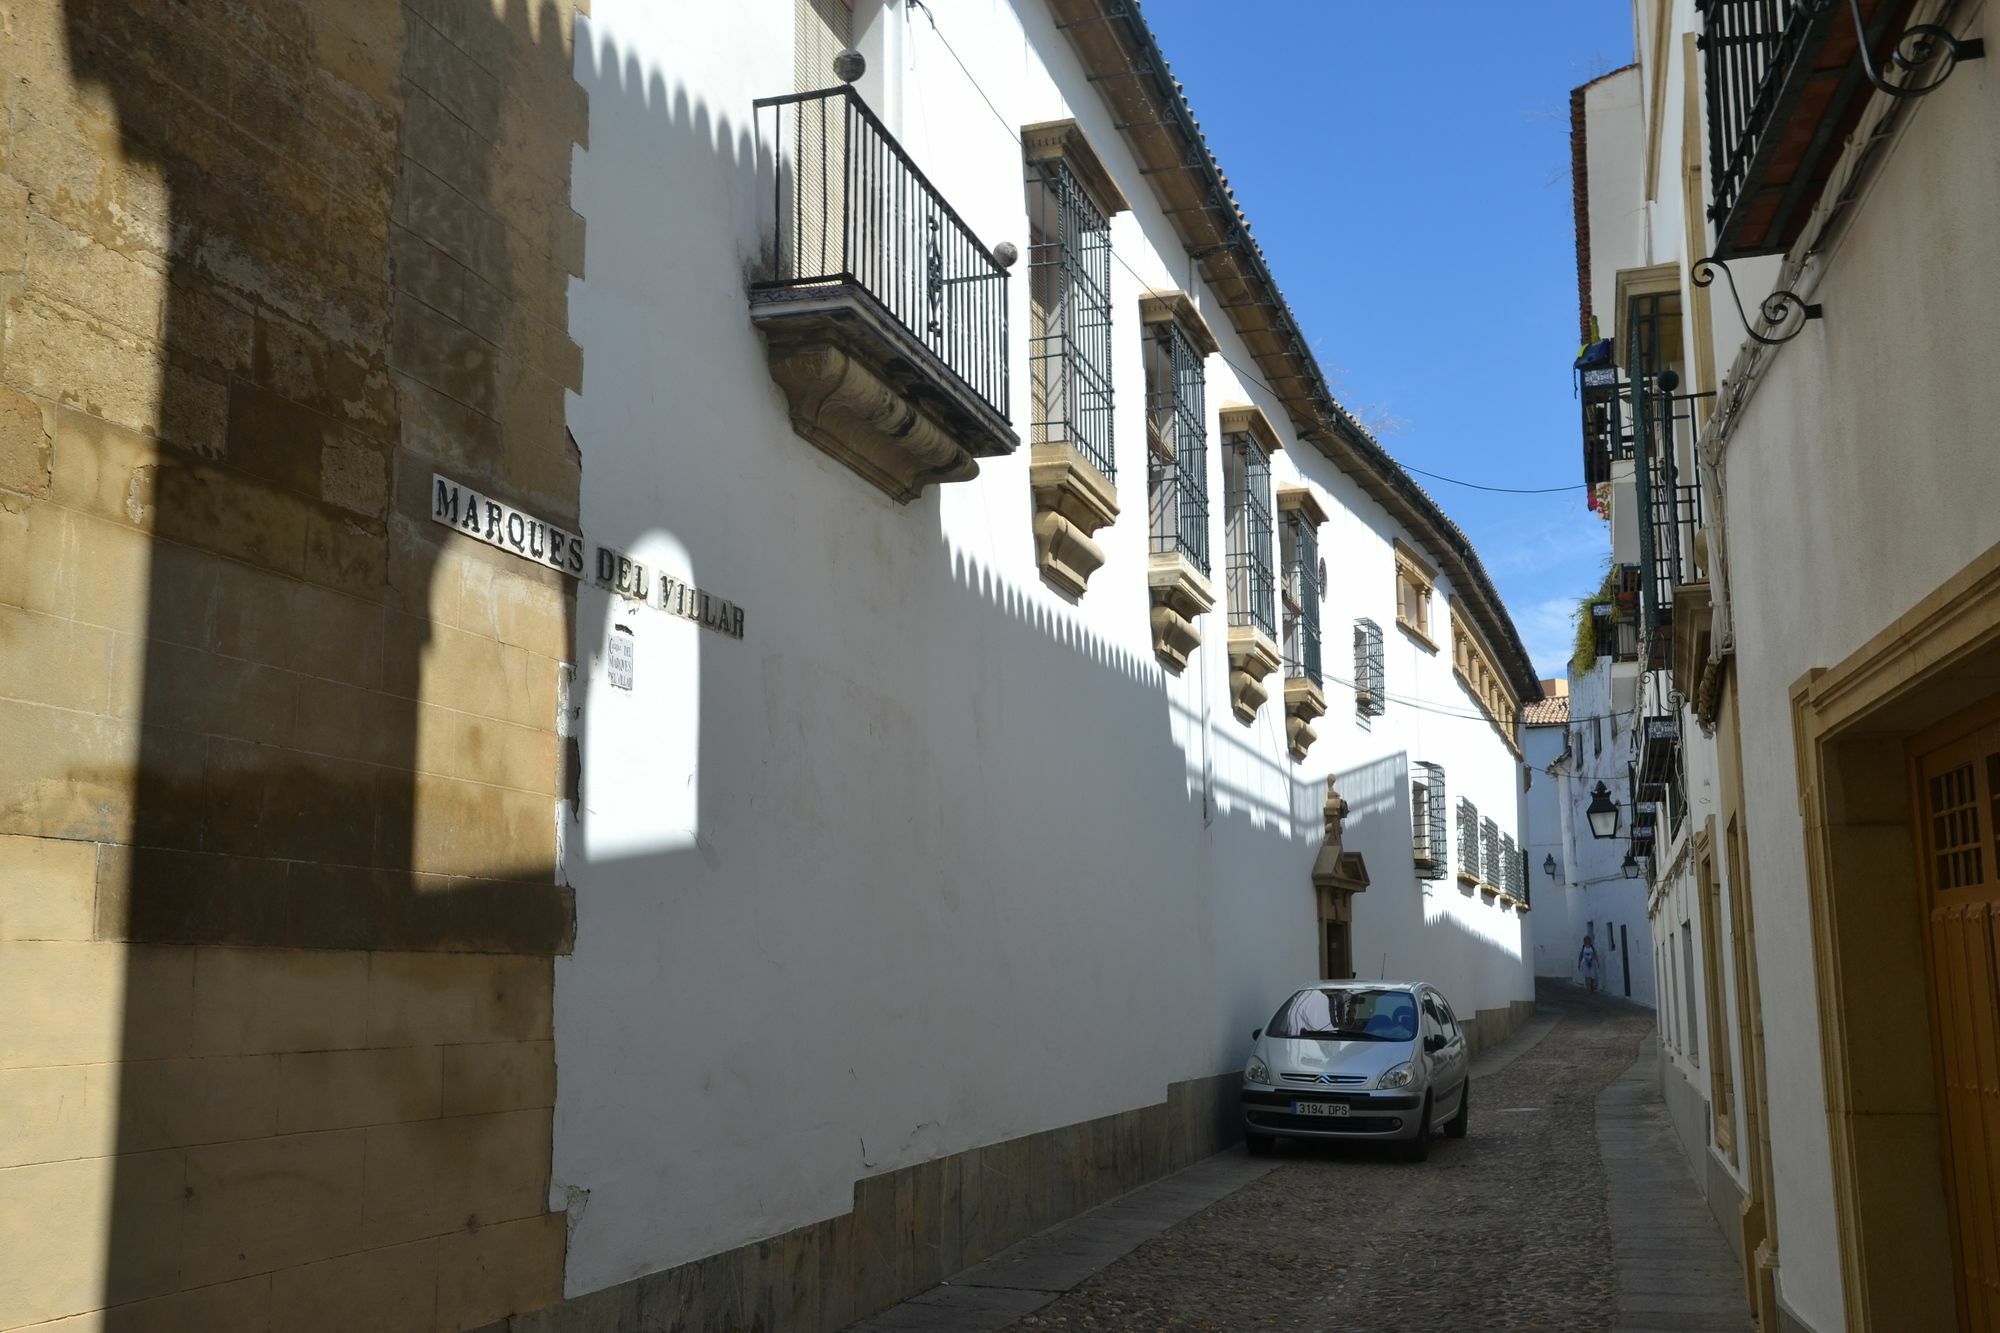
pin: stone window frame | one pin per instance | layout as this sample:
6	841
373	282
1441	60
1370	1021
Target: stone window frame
1070	267
1178	571
1253	645
1478	671
1371	687
1416	581
1178	339
1429	846
1467	831
1072	471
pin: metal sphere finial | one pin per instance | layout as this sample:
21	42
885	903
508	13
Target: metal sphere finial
849	65
1005	255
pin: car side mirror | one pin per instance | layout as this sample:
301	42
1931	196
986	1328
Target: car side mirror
1256	1033
1434	1042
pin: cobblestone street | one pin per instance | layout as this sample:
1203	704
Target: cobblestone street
1518	1226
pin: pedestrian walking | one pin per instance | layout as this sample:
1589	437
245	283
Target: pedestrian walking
1586	959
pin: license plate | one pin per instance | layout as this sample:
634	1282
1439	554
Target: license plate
1338	1110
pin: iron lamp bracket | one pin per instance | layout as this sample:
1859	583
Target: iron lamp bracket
1778	309
1920	47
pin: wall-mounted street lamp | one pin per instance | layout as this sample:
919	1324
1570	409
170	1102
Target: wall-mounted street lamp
1630	866
1549	865
1602	813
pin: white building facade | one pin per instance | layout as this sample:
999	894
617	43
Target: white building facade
1814	622
1591	887
999	614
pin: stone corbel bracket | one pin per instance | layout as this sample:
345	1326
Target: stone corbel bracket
1181	595
1305	703
1252	657
867	393
1072	501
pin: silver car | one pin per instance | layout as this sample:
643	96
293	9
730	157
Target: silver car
1358	1060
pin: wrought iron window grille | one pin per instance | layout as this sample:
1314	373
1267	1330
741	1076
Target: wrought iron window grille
853	209
1490	865
1177	457
1252	583
1302	594
1468	839
1427	810
1069	281
1370	698
1777	309
1510	864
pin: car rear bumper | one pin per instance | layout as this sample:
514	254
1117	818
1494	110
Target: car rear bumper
1390	1116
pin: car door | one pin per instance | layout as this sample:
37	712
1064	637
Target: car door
1455	1047
1437	1063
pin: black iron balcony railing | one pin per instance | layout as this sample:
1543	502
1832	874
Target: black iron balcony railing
1659	748
1607	430
852	209
1673	490
1751	47
1617	636
1787	81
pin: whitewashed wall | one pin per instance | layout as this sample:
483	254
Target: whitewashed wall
932	857
1855	490
1552	931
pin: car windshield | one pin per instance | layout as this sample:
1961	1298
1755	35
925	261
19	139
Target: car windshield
1342	1014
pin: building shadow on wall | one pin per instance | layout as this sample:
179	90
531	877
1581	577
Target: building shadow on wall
910	766
335	865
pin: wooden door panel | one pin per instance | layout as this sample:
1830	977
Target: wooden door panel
1958	819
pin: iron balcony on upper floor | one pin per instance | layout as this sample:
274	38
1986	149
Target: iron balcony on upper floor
884	315
1787	81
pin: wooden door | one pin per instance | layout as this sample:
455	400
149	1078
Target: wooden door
1335	959
1958	807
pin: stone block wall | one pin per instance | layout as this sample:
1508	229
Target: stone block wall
280	759
912	1228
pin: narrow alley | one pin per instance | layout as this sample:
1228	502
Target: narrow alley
1567	1206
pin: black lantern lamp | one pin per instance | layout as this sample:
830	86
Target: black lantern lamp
1631	865
1549	865
1602	813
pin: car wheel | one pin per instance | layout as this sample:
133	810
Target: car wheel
1259	1145
1418	1148
1454	1128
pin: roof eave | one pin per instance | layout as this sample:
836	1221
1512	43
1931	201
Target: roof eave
1120	55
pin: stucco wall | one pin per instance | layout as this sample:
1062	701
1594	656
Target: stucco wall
932	857
1852	494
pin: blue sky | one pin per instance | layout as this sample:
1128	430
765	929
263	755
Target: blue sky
1406	169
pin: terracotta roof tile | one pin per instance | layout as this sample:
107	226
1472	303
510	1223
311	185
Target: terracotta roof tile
1546	712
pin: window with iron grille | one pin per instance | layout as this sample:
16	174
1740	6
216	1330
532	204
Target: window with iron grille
1489	852
1369	697
1246	472
1427	797
1069	342
1468	839
1177	443
1300	591
1510	862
